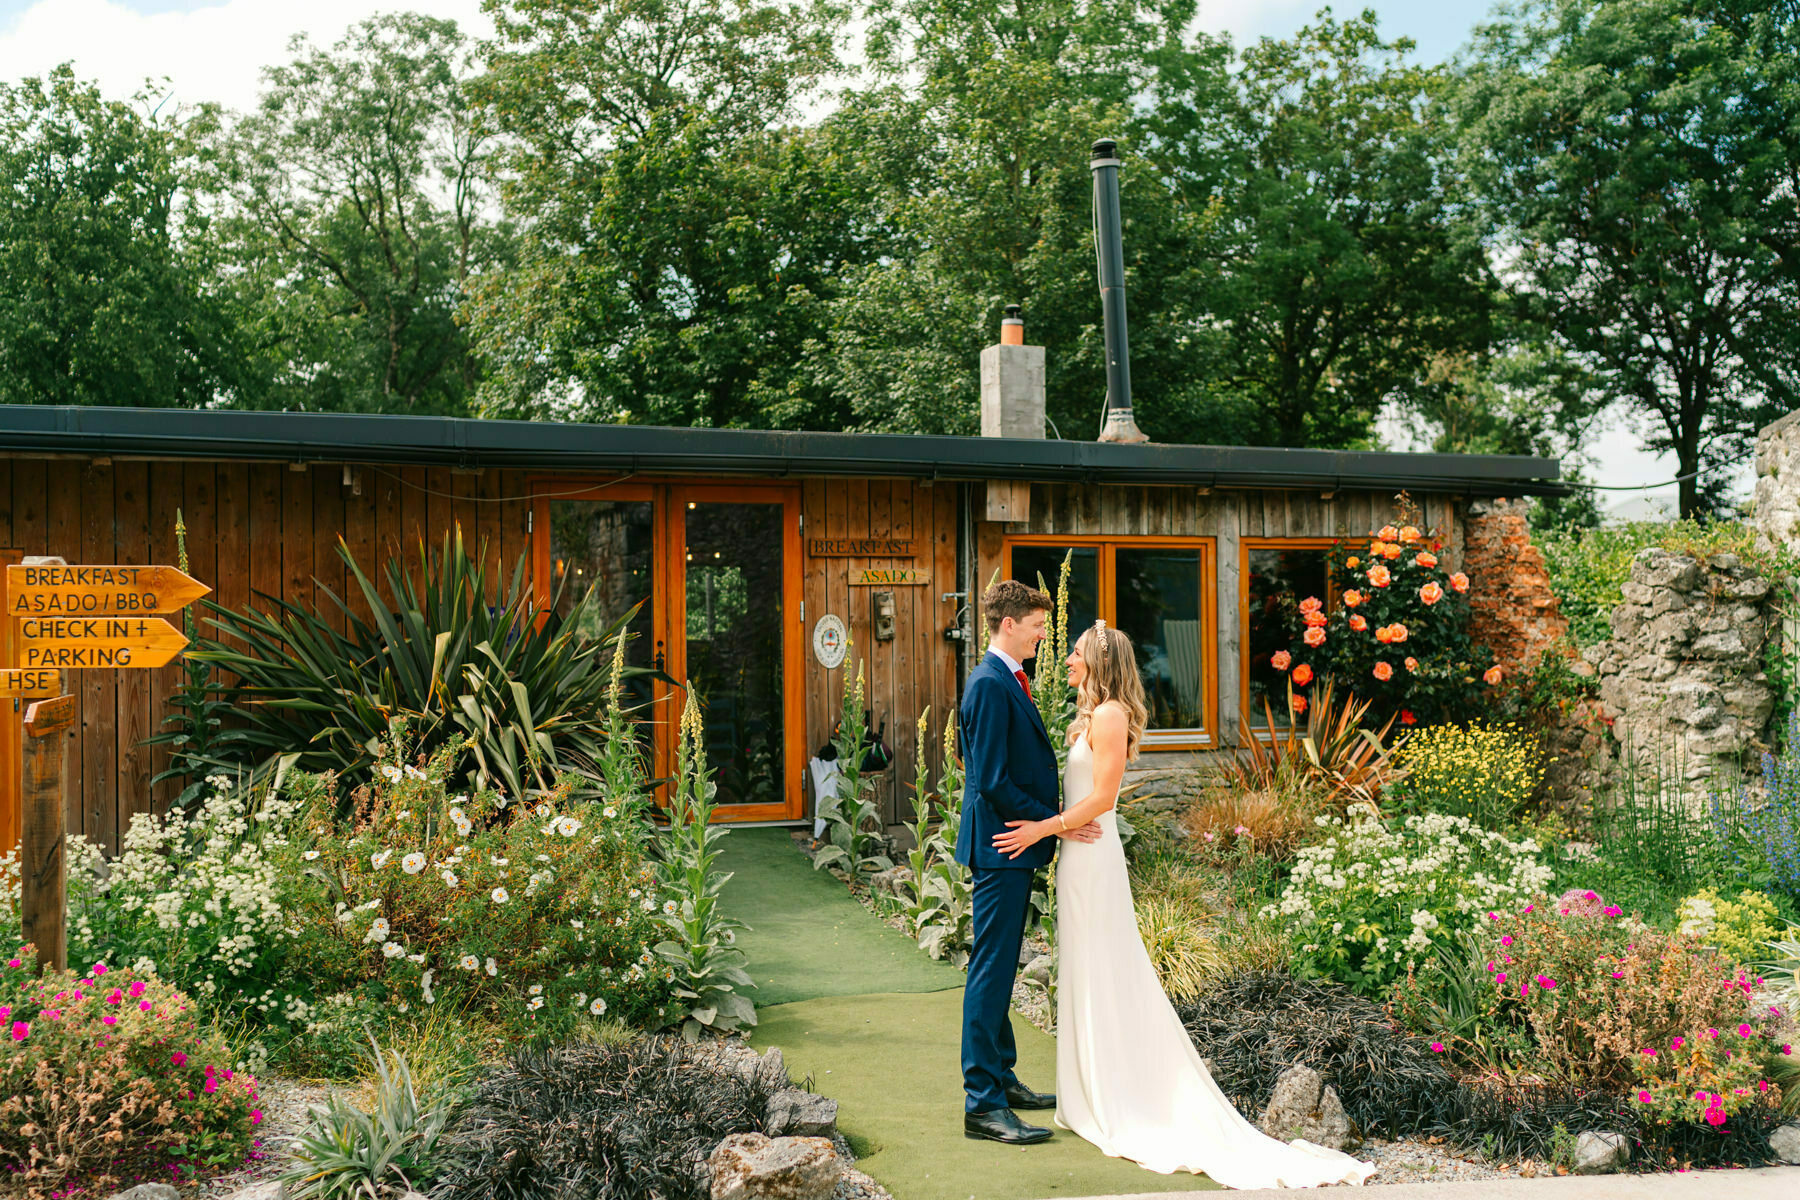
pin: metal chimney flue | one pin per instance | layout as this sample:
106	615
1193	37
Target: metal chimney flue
1109	249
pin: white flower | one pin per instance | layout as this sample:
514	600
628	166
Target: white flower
669	906
500	895
413	863
468	962
310	855
537	1002
543	858
403	814
649	906
575	923
425	988
491	968
415	958
390	772
464	826
634	893
414	773
598	1006
379	859
610	811
393	949
568	826
378	930
498	861
536	989
450	879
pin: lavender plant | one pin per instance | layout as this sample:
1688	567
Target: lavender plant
1771	825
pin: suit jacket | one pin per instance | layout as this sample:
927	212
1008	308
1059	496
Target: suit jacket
1009	768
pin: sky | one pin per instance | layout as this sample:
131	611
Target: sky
215	49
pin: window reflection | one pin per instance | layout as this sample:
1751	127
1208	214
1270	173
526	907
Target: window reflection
1278	578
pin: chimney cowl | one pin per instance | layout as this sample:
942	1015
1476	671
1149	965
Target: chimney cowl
1012	327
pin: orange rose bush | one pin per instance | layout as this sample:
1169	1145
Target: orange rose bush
1397	633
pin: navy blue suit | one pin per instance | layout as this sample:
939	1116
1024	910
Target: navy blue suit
1009	775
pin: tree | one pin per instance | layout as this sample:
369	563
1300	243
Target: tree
104	258
976	137
1337	273
1630	157
362	220
678	236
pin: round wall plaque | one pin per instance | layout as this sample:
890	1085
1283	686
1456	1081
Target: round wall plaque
830	641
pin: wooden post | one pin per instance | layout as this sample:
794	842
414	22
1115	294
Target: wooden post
10	710
47	724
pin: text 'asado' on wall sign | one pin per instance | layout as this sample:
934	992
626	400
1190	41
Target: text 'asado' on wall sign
888	577
55	590
87	642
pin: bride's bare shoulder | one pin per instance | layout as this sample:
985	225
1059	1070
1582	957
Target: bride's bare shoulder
1109	717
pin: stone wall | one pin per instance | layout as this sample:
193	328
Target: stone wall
1512	611
1681	678
1777	496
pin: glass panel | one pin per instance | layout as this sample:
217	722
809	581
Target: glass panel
1279	579
602	561
1029	563
1158	592
734	651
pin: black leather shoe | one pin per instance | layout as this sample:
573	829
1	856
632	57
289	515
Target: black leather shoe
1020	1096
1003	1125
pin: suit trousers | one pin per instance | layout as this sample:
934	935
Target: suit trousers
1001	899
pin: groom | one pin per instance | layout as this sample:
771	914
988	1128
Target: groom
1010	775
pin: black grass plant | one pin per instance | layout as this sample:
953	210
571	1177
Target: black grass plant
626	1122
1257	1024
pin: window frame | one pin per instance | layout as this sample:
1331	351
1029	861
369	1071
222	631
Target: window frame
1207	736
1245	545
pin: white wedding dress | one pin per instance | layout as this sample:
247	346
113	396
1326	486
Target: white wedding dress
1127	1077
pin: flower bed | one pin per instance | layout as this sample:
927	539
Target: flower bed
108	1077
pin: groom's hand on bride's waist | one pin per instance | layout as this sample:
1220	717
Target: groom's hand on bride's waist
1091	832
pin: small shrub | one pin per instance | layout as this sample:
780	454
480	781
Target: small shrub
537	914
1256	1024
1186	958
1487	773
631	1122
1740	929
1367	903
853	833
346	1153
1323	748
1268	821
109	1075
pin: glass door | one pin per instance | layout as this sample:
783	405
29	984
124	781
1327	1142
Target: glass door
735	638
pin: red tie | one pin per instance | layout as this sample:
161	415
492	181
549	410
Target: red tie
1020	676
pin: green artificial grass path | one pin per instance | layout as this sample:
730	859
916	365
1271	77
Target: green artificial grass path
893	1065
808	937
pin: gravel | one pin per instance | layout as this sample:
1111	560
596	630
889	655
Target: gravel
286	1104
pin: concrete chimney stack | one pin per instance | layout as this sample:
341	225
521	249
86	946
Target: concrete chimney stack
1012	406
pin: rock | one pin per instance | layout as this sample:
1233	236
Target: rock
147	1191
794	1113
274	1189
773	1071
751	1166
1600	1152
1037	970
1304	1107
890	881
1785	1143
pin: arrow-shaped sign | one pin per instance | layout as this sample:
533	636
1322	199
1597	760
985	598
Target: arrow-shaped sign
34	685
56	590
75	643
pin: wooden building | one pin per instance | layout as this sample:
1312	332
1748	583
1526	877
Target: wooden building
749	547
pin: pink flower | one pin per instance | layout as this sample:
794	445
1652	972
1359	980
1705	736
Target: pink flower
1590	895
1545	982
1529	907
1715	1116
137	989
5	1011
1643	1097
1437	1047
99	968
256	1116
53	1014
212	1085
1618	974
143	1006
114	996
178	1058
14	963
1506	940
1745	1030
20	1031
110	1019
1762	1085
1712	1033
1647	1052
1493	916
1502	978
1678	1043
1787	1049
1613	910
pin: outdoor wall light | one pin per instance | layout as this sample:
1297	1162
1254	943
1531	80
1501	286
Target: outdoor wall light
884	616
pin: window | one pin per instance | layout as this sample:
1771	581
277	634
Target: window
1275	575
1161	592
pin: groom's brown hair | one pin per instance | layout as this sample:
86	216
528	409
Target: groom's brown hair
1010	598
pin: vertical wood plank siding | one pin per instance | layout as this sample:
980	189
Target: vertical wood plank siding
252	527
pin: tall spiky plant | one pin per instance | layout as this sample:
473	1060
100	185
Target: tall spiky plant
1050	687
709	969
200	709
620	764
944	922
853	834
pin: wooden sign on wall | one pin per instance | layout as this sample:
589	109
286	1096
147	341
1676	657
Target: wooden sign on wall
889	577
860	547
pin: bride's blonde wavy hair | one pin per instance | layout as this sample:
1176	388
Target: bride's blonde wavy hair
1112	674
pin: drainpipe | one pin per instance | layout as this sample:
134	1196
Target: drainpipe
1109	250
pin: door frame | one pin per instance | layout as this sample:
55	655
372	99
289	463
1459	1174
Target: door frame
669	497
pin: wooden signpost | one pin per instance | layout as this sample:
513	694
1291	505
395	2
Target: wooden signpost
61	617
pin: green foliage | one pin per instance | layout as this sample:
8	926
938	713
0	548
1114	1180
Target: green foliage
110	1073
709	975
1589	567
461	655
942	909
1617	146
1487	773
1186	957
854	839
346	1154
104	259
1399	639
1741	929
360	218
192	730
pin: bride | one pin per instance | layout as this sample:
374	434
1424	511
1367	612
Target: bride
1127	1077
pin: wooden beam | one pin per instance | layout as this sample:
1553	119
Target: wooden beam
48	724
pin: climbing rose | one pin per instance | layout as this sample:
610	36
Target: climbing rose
1352	562
1426	558
1302	675
1407	717
1378	575
1409	533
1491	675
1280	660
1459	582
1314	637
1313	618
1385	634
1431	593
1299	704
1352	598
1412	664
1310	604
1383	672
1358	622
1388	533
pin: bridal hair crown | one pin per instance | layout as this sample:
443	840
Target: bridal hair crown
1100	630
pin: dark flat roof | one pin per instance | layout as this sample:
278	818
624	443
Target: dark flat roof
552	446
